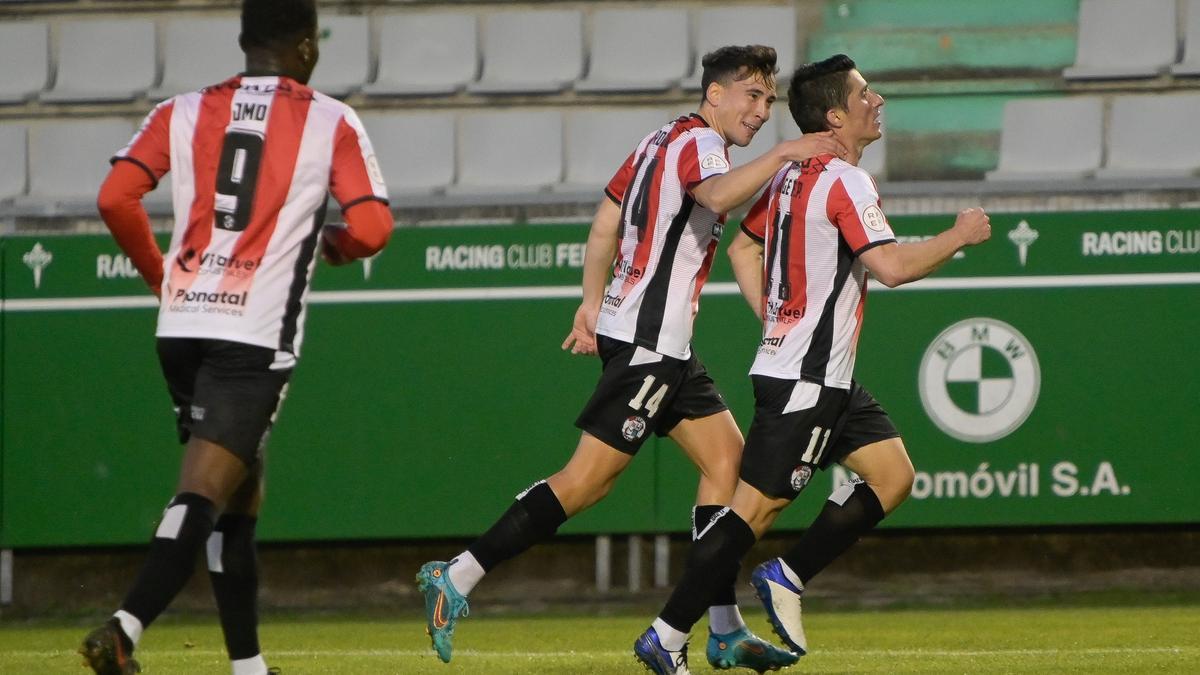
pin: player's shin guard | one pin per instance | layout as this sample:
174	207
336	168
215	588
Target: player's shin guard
186	523
711	564
233	569
851	510
534	517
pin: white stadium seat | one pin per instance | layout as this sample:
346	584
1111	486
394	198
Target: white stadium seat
105	60
1190	65
1050	139
14	170
532	51
1123	39
345	55
69	159
1153	136
637	50
415	150
198	52
598	141
518	151
26	43
772	26
425	54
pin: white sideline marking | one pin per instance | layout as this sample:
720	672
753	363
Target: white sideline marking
559	292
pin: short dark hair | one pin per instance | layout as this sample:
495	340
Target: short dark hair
738	63
817	88
275	23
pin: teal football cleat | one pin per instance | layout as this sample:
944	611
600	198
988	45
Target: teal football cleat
781	598
444	605
743	649
650	653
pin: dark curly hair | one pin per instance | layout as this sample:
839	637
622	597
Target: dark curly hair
817	88
269	24
731	63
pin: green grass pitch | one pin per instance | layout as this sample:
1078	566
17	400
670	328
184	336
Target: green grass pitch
1041	639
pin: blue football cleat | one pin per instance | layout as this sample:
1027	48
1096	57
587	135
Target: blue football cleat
781	598
444	605
649	651
743	649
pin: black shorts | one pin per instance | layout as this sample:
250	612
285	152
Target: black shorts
820	427
633	399
224	392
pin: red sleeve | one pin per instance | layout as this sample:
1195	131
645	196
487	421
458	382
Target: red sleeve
354	175
120	205
620	181
150	147
368	227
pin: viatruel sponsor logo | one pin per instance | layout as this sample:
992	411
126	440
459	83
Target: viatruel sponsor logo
979	380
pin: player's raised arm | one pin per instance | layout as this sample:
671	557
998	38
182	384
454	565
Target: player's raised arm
597	267
728	191
896	264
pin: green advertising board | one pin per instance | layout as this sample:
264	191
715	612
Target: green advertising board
1046	377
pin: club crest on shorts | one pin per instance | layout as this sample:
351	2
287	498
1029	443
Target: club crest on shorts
800	477
633	428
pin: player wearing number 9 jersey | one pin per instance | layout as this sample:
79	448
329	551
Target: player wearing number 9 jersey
649	252
252	162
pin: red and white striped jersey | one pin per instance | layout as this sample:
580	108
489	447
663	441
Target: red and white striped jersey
667	240
814	221
253	160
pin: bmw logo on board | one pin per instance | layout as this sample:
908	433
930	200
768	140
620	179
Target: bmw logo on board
979	380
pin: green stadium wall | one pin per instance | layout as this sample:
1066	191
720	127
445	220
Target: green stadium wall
432	388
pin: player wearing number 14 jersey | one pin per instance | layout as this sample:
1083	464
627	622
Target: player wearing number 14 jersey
252	161
802	260
649	252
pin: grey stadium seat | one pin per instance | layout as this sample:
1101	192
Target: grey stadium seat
1153	136
106	60
26	43
69	160
425	53
873	160
1191	42
599	140
1050	139
198	52
518	151
345	55
637	50
415	150
530	51
773	26
14	170
1123	39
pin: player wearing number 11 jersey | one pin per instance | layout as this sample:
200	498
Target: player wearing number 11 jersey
649	252
802	260
252	160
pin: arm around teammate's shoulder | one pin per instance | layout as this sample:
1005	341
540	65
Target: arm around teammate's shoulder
896	264
730	190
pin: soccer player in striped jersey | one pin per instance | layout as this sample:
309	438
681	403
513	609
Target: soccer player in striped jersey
253	160
649	253
802	261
